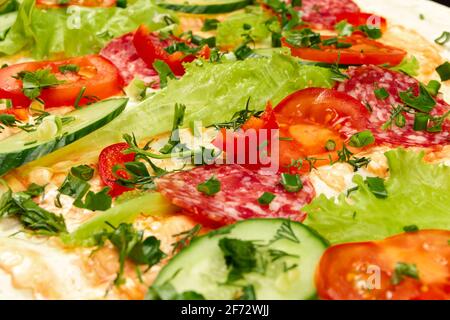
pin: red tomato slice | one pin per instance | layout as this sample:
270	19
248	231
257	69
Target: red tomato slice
83	3
362	51
242	147
150	47
363	18
99	76
364	270
109	157
310	117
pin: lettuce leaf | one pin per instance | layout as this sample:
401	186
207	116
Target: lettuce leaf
418	194
76	30
212	93
229	31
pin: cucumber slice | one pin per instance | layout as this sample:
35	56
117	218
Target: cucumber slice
24	146
201	266
204	6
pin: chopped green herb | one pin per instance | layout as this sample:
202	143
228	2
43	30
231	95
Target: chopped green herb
411	228
83	172
443	38
186	238
421	121
240	257
34	81
424	102
291	182
377	187
131	244
178	119
403	270
381	93
96	201
303	38
344	28
371	32
7	120
279	254
79	97
74	187
444	71
69	68
330	145
266	198
397	117
239	118
285	232
209	187
243	52
433	87
164	72
362	139
437	122
210	24
345	155
421	16
35	190
30	214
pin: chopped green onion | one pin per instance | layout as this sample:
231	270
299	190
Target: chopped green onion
266	198
381	93
400	120
443	38
210	186
433	87
243	52
371	32
291	182
444	71
423	102
362	139
420	121
377	187
83	172
330	145
210	24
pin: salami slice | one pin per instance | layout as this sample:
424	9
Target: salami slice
238	195
123	55
361	85
322	13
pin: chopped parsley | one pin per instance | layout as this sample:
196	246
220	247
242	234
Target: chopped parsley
248	293
69	68
377	187
210	187
345	155
35	81
30	214
131	245
240	257
7	120
403	270
424	102
371	32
